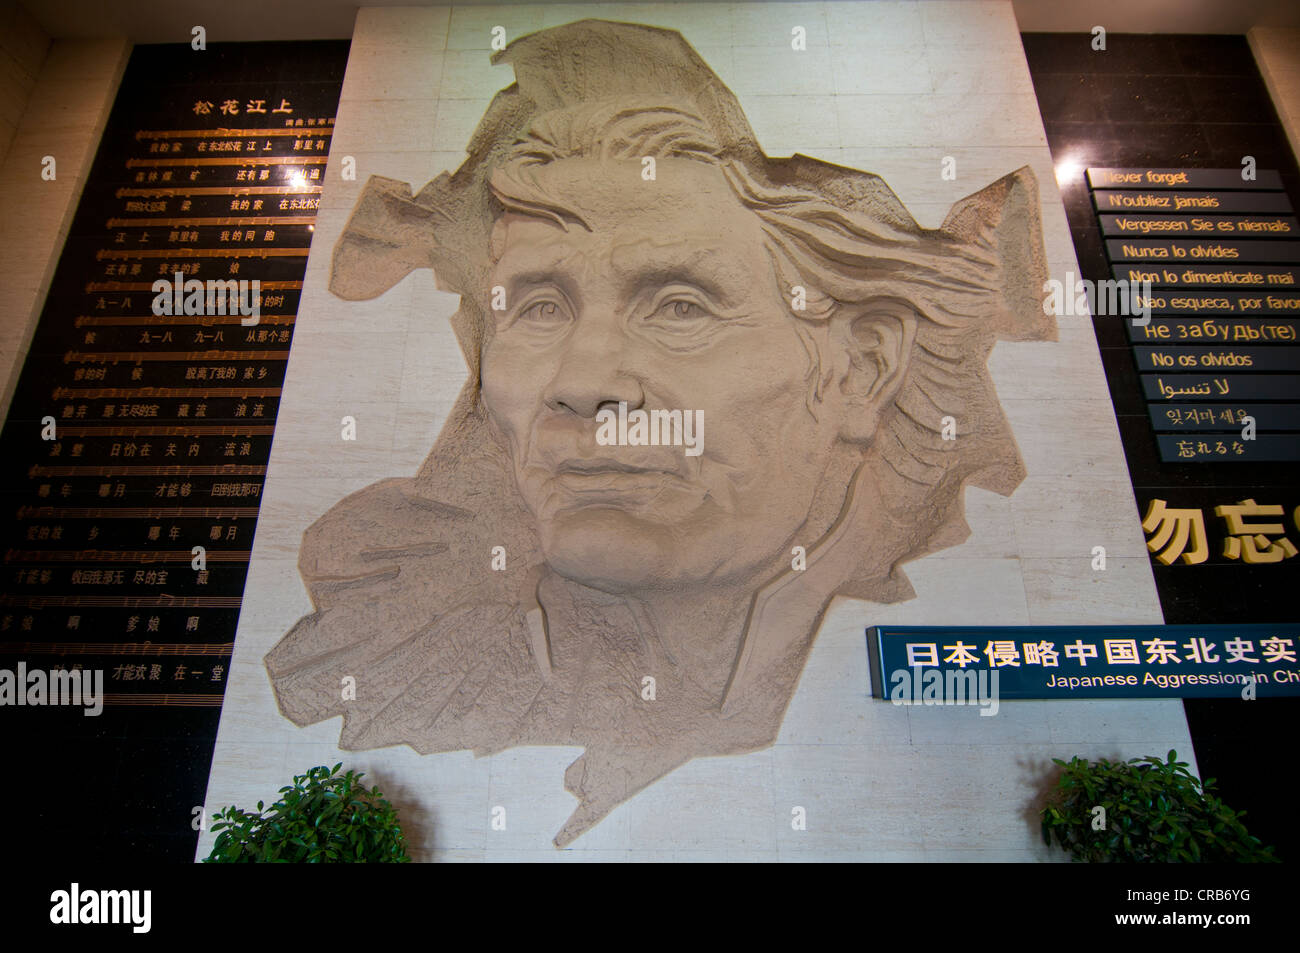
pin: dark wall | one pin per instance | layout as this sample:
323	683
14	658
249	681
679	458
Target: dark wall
1183	101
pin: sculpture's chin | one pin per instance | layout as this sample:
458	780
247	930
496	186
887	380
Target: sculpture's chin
612	550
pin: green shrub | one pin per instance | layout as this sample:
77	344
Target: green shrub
1155	812
325	817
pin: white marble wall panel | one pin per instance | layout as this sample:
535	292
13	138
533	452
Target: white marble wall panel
889	87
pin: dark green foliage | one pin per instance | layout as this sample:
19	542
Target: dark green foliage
1156	812
325	817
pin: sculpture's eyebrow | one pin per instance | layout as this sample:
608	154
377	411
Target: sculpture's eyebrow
524	268
712	269
535	276
639	265
537	258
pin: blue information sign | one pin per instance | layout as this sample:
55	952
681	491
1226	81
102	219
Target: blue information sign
984	664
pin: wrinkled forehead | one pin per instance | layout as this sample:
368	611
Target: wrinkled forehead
630	235
627	199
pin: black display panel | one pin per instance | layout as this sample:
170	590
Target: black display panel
136	446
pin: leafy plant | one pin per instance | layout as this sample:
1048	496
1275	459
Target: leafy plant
324	817
1154	812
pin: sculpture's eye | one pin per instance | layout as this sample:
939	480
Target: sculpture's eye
543	314
681	318
678	315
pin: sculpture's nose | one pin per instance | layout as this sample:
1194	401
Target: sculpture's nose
590	373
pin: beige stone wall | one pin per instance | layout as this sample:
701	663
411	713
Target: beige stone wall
1277	51
23	45
64	118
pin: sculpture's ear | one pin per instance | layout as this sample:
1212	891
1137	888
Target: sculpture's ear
872	342
389	235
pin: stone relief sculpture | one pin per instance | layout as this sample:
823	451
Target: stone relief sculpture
621	243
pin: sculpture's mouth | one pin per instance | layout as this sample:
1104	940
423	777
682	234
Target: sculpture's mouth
612	483
636	484
591	466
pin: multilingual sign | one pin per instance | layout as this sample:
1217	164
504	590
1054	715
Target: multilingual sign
1197	225
1199	357
1210	258
1210	417
982	665
1169	202
1220	386
1272	447
1184	179
1199	250
1215	276
1207	330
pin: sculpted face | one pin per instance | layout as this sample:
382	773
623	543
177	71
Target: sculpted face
665	300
